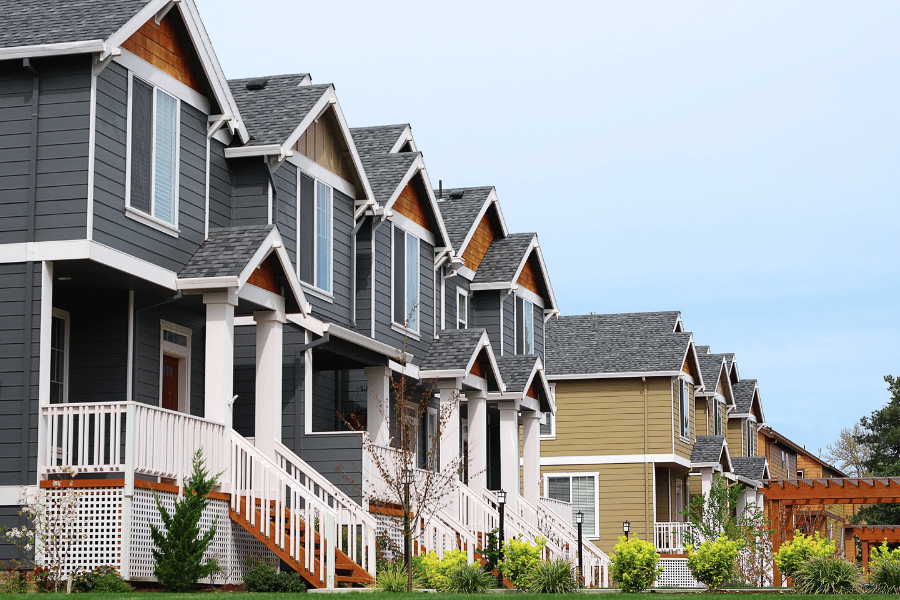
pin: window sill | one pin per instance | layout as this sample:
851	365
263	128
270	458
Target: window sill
684	439
546	438
405	330
317	292
150	221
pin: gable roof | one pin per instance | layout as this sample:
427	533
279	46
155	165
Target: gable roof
273	112
703	350
712	366
801	450
751	467
386	172
708	450
519	373
596	346
503	258
462	214
745	392
454	351
379	139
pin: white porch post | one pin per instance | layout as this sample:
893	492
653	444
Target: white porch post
269	331
509	452
706	477
477	401
378	404
219	355
531	474
450	450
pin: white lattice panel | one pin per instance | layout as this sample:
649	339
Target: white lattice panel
676	574
97	528
390	527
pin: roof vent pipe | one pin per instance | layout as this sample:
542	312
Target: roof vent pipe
440	189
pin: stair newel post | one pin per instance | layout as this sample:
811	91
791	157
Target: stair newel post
330	542
128	489
182	450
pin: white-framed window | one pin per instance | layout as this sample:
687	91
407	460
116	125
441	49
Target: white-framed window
548	425
717	425
406	275
751	437
527	327
59	357
315	235
174	366
684	409
799	474
579	489
432	439
152	155
462	309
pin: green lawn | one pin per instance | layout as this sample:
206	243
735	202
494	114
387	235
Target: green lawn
422	596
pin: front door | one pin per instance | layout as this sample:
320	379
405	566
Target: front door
170	383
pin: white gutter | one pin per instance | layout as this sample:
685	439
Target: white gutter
83	47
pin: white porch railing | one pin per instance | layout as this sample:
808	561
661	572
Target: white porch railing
671	538
596	562
562	509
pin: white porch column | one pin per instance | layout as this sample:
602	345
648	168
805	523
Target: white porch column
706	477
477	402
219	355
378	404
509	452
531	453
269	350
449	390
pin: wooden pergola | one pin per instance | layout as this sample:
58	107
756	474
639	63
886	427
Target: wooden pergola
872	535
785	494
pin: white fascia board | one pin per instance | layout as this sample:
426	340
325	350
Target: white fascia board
261	150
443	374
146	71
434	207
406	369
208	283
405	136
274	243
534	246
727	380
751	482
307	80
552	377
309	323
497	285
735	415
354	153
473	226
413	169
696	360
311	117
314	169
367	342
705	465
614	459
485	343
530	404
83	47
264	298
466	273
133	24
758	400
413	228
473	381
527	294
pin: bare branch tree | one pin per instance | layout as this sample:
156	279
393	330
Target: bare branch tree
848	454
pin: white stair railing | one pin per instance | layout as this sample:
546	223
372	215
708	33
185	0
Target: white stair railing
596	562
671	537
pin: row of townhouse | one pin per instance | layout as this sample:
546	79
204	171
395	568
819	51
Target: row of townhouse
189	262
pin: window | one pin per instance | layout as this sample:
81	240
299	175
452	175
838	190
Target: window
153	151
315	243
406	279
684	412
527	327
799	474
784	462
462	309
717	425
751	438
59	357
548	425
581	491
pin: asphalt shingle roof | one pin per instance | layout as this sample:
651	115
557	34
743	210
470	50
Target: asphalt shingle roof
624	343
702	349
743	395
226	252
386	171
274	112
751	467
503	258
710	368
376	140
451	350
34	22
460	213
707	449
515	370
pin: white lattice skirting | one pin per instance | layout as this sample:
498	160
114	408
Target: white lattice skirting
676	574
100	543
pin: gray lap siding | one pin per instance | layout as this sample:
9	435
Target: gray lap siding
286	208
364	278
251	192
338	311
111	225
509	324
486	314
450	301
219	186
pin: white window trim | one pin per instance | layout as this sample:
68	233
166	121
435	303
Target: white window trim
312	288
525	337
138	215
461	292
400	327
596	476
66	317
330	266
686	405
552	419
183	354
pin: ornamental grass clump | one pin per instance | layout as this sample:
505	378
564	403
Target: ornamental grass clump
468	579
827	575
713	563
793	553
392	578
634	564
553	577
884	566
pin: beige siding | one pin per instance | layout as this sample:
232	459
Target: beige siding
735	438
663	493
683	448
606	416
625	493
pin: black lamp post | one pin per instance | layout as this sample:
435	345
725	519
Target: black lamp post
501	502
626	527
579	520
407	478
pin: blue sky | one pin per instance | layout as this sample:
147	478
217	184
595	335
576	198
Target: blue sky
734	161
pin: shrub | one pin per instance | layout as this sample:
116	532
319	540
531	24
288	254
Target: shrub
884	566
490	552
392	578
468	579
713	562
104	579
519	557
827	575
433	571
794	553
553	577
260	575
634	564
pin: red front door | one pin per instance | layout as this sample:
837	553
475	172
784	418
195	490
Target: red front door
170	383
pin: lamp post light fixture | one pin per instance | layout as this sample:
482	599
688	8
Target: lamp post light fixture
626	527
579	520
407	480
501	502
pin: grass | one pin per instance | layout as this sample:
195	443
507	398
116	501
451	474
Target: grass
404	596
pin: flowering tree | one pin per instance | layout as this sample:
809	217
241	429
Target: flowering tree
51	533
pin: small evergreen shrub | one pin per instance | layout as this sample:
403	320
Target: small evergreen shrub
553	577
104	579
794	553
713	562
469	579
491	552
392	578
519	557
827	575
634	564
260	575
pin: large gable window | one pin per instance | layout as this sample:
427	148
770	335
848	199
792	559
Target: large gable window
524	326
581	491
406	279
315	244
462	309
153	154
684	410
717	424
751	438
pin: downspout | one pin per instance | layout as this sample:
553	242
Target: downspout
647	499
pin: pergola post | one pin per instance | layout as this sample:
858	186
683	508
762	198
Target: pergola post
865	556
775	516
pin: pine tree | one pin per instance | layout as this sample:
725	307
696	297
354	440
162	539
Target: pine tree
881	434
178	552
